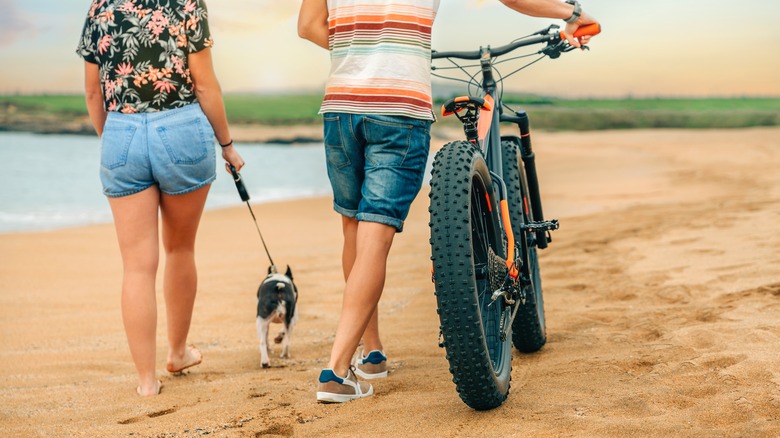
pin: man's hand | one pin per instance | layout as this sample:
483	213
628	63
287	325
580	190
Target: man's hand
570	28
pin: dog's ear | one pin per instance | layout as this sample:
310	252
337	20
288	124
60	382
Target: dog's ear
289	272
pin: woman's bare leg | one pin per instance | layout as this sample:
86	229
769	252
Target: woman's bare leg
135	220
180	219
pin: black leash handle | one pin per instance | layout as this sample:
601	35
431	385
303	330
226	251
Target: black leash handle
239	184
245	198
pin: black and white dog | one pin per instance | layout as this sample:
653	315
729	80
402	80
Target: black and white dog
277	299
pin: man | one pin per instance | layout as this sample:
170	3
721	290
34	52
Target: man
377	114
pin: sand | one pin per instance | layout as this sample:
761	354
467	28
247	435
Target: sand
662	295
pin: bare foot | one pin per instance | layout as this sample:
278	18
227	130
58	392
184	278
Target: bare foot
192	357
147	392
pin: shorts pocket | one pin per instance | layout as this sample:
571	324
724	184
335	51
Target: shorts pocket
388	141
185	142
115	145
335	152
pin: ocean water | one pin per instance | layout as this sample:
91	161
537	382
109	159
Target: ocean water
51	181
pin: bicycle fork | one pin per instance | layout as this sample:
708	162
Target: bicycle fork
538	225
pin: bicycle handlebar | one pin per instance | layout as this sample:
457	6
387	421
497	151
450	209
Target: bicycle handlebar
590	29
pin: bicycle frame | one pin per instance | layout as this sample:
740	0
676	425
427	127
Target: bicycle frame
488	135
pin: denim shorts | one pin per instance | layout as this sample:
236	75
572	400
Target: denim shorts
174	149
376	164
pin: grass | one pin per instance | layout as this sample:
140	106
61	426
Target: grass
58	104
546	113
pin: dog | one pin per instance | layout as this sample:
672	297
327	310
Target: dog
277	301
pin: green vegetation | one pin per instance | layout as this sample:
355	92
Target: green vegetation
595	114
59	104
273	109
546	113
241	108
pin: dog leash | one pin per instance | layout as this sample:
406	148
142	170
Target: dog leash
245	198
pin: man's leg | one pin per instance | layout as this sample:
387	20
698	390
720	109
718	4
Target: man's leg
362	292
135	220
371	340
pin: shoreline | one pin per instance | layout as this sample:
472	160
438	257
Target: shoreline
284	135
46	124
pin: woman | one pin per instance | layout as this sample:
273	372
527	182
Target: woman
156	104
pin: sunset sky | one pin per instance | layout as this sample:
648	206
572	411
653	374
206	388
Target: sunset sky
648	48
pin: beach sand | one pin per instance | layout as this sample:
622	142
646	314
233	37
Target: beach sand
662	296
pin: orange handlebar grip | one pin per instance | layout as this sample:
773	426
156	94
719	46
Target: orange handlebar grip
590	29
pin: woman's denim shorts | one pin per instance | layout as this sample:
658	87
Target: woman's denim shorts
376	164
174	149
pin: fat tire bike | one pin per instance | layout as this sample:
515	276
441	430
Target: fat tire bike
486	226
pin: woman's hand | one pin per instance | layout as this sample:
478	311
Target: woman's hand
231	155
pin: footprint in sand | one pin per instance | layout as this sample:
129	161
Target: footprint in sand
149	415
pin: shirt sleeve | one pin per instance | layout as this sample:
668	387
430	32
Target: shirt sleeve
198	33
87	45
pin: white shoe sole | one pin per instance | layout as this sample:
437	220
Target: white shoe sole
367	376
329	397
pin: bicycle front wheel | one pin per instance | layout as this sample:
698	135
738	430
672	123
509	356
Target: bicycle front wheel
467	250
528	328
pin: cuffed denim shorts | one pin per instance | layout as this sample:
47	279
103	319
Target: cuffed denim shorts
174	149
376	164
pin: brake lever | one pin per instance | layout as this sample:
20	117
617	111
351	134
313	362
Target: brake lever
554	50
551	29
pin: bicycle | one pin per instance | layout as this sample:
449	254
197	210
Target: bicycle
486	225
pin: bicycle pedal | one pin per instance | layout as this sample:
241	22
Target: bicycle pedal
550	225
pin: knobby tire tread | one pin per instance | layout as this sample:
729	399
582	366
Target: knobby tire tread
454	274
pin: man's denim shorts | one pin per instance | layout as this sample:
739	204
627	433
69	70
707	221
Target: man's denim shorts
174	149
376	164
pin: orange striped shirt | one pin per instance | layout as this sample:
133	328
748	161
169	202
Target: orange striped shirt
380	57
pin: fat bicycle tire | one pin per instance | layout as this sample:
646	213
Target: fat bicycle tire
528	328
464	224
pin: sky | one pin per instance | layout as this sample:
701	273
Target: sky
657	48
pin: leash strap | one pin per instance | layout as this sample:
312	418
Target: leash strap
245	197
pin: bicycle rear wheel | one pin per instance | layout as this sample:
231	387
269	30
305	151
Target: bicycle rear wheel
467	247
528	328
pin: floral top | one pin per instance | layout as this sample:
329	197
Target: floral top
141	47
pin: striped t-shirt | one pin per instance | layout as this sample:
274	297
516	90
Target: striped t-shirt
380	57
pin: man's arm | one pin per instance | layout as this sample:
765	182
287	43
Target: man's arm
313	22
554	9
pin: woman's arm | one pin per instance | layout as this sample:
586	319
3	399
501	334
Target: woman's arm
94	96
209	95
313	22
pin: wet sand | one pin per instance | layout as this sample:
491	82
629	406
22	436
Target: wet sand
662	296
